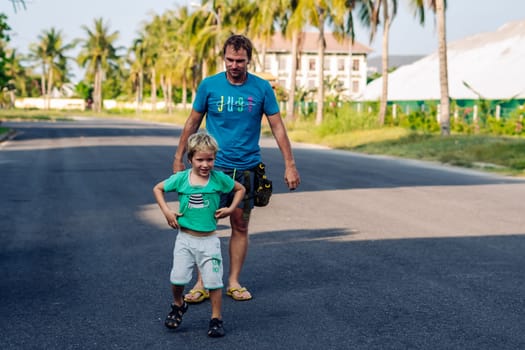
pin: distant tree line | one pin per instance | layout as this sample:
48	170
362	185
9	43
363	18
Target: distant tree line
174	50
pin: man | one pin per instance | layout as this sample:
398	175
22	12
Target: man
234	102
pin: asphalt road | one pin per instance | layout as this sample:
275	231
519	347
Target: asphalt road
369	253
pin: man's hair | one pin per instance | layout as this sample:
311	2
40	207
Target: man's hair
239	42
201	142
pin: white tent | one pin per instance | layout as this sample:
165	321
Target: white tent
492	64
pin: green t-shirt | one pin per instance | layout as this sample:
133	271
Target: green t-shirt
199	203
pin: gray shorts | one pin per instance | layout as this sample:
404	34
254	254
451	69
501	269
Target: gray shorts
245	177
205	252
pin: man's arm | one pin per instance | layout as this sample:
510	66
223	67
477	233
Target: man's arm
190	127
291	175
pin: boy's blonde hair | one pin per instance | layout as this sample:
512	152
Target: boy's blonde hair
201	142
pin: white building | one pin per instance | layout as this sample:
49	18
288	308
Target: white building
345	62
485	65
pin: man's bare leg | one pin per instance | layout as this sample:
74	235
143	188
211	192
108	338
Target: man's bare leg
238	250
195	293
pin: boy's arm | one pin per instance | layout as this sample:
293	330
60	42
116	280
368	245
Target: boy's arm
171	216
238	195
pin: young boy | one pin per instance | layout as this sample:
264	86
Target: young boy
199	189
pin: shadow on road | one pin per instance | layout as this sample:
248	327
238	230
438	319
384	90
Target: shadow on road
390	294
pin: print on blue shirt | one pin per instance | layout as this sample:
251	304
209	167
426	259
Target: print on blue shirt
231	104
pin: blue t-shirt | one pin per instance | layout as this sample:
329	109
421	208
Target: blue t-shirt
198	204
234	114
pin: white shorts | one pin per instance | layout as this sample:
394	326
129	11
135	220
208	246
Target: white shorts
205	252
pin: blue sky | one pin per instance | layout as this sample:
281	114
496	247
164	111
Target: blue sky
464	18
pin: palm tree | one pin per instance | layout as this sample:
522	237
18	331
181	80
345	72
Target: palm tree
343	22
315	13
292	23
290	106
240	16
371	12
16	72
185	53
4	40
152	42
319	13
262	25
98	53
318	18
444	119
137	62
170	52
439	8
210	26
166	59
18	4
198	48
50	53
37	53
13	76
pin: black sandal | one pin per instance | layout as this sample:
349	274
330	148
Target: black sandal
174	318
216	328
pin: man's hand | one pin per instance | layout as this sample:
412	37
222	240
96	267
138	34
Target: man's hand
223	212
178	166
292	178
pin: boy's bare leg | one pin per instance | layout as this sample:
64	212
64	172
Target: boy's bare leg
216	328
177	294
216	303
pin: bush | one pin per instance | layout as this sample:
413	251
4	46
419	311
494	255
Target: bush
344	120
420	121
343	117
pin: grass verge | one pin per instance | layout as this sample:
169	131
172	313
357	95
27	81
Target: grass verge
504	155
178	117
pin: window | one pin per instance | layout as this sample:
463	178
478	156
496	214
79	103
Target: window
326	63
267	64
341	64
311	64
355	86
282	63
355	64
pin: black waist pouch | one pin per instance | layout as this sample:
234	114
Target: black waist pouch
263	186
